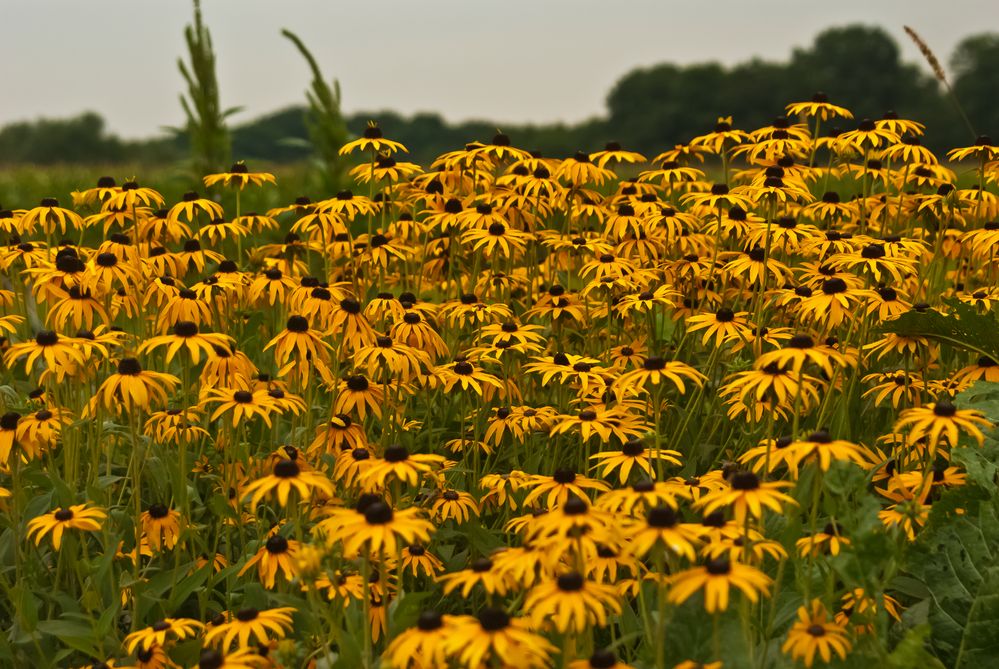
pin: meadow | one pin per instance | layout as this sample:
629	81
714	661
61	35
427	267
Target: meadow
730	405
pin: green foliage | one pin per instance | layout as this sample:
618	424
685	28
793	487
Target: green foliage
962	327
206	129
975	76
859	67
78	139
324	120
955	559
912	651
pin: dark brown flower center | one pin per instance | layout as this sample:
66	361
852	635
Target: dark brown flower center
286	469
378	513
570	582
745	481
718	566
661	517
277	545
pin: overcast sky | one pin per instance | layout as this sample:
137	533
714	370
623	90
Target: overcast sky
508	61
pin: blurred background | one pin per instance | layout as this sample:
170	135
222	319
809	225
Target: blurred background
99	84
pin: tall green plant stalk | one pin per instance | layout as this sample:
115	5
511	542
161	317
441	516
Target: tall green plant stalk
205	119
324	121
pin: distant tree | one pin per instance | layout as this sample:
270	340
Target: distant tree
975	75
860	67
81	139
281	136
656	107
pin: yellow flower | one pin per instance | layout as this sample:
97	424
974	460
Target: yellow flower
263	626
76	517
716	578
814	634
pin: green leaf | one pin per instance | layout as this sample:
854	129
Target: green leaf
955	558
183	590
77	635
912	651
27	606
963	327
405	609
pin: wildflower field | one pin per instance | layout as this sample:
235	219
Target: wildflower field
726	406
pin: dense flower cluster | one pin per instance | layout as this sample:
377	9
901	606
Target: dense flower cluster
500	411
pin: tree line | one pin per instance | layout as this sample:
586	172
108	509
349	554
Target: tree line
648	109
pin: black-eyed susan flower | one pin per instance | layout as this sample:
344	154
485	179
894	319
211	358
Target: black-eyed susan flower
820	448
416	559
662	528
48	215
276	555
641	496
132	387
493	636
722	326
818	107
35	432
399	464
380	529
941	424
571	603
466	376
160	632
814	634
286	477
60	354
187	336
656	370
829	540
860	608
243	405
983	149
351	465
160	526
374	141
76	517
454	504
249	623
300	341
175	426
557	489
716	578
339	433
481	573
8	434
633	454
386	358
357	394
746	494
798	350
423	645
414	330
239	176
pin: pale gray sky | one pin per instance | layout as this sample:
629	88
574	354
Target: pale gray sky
502	60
